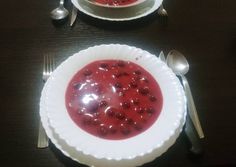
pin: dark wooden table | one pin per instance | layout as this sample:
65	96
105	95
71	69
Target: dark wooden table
204	31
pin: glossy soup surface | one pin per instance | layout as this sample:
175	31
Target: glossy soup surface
115	2
113	99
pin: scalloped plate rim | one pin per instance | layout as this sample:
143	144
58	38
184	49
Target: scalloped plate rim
56	141
113	45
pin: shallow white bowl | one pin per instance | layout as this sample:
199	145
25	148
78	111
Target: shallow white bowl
124	14
129	152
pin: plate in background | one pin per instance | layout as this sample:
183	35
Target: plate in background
121	14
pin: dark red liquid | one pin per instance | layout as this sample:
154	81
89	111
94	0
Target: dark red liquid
113	99
115	2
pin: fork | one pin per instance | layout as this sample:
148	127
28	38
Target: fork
48	67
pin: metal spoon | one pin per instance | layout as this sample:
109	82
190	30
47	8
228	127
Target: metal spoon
196	146
161	11
60	12
178	63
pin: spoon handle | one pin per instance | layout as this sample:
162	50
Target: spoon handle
190	131
191	108
61	2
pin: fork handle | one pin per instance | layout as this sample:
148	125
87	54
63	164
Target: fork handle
42	137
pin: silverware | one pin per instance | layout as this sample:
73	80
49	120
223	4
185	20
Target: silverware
162	57
48	67
161	11
60	12
178	63
196	146
73	15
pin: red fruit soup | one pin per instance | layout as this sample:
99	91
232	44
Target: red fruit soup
115	2
113	99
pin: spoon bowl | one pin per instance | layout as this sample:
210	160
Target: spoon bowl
177	62
60	12
162	11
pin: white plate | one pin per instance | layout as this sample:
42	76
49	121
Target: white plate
94	2
123	14
70	151
103	150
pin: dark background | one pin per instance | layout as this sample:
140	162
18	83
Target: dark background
203	30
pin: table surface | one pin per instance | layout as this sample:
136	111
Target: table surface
204	31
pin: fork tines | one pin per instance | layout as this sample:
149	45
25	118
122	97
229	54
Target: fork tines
48	66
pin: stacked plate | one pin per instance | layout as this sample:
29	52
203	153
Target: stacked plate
117	10
95	151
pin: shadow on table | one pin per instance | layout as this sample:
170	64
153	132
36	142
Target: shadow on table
160	161
60	23
115	25
123	25
68	162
